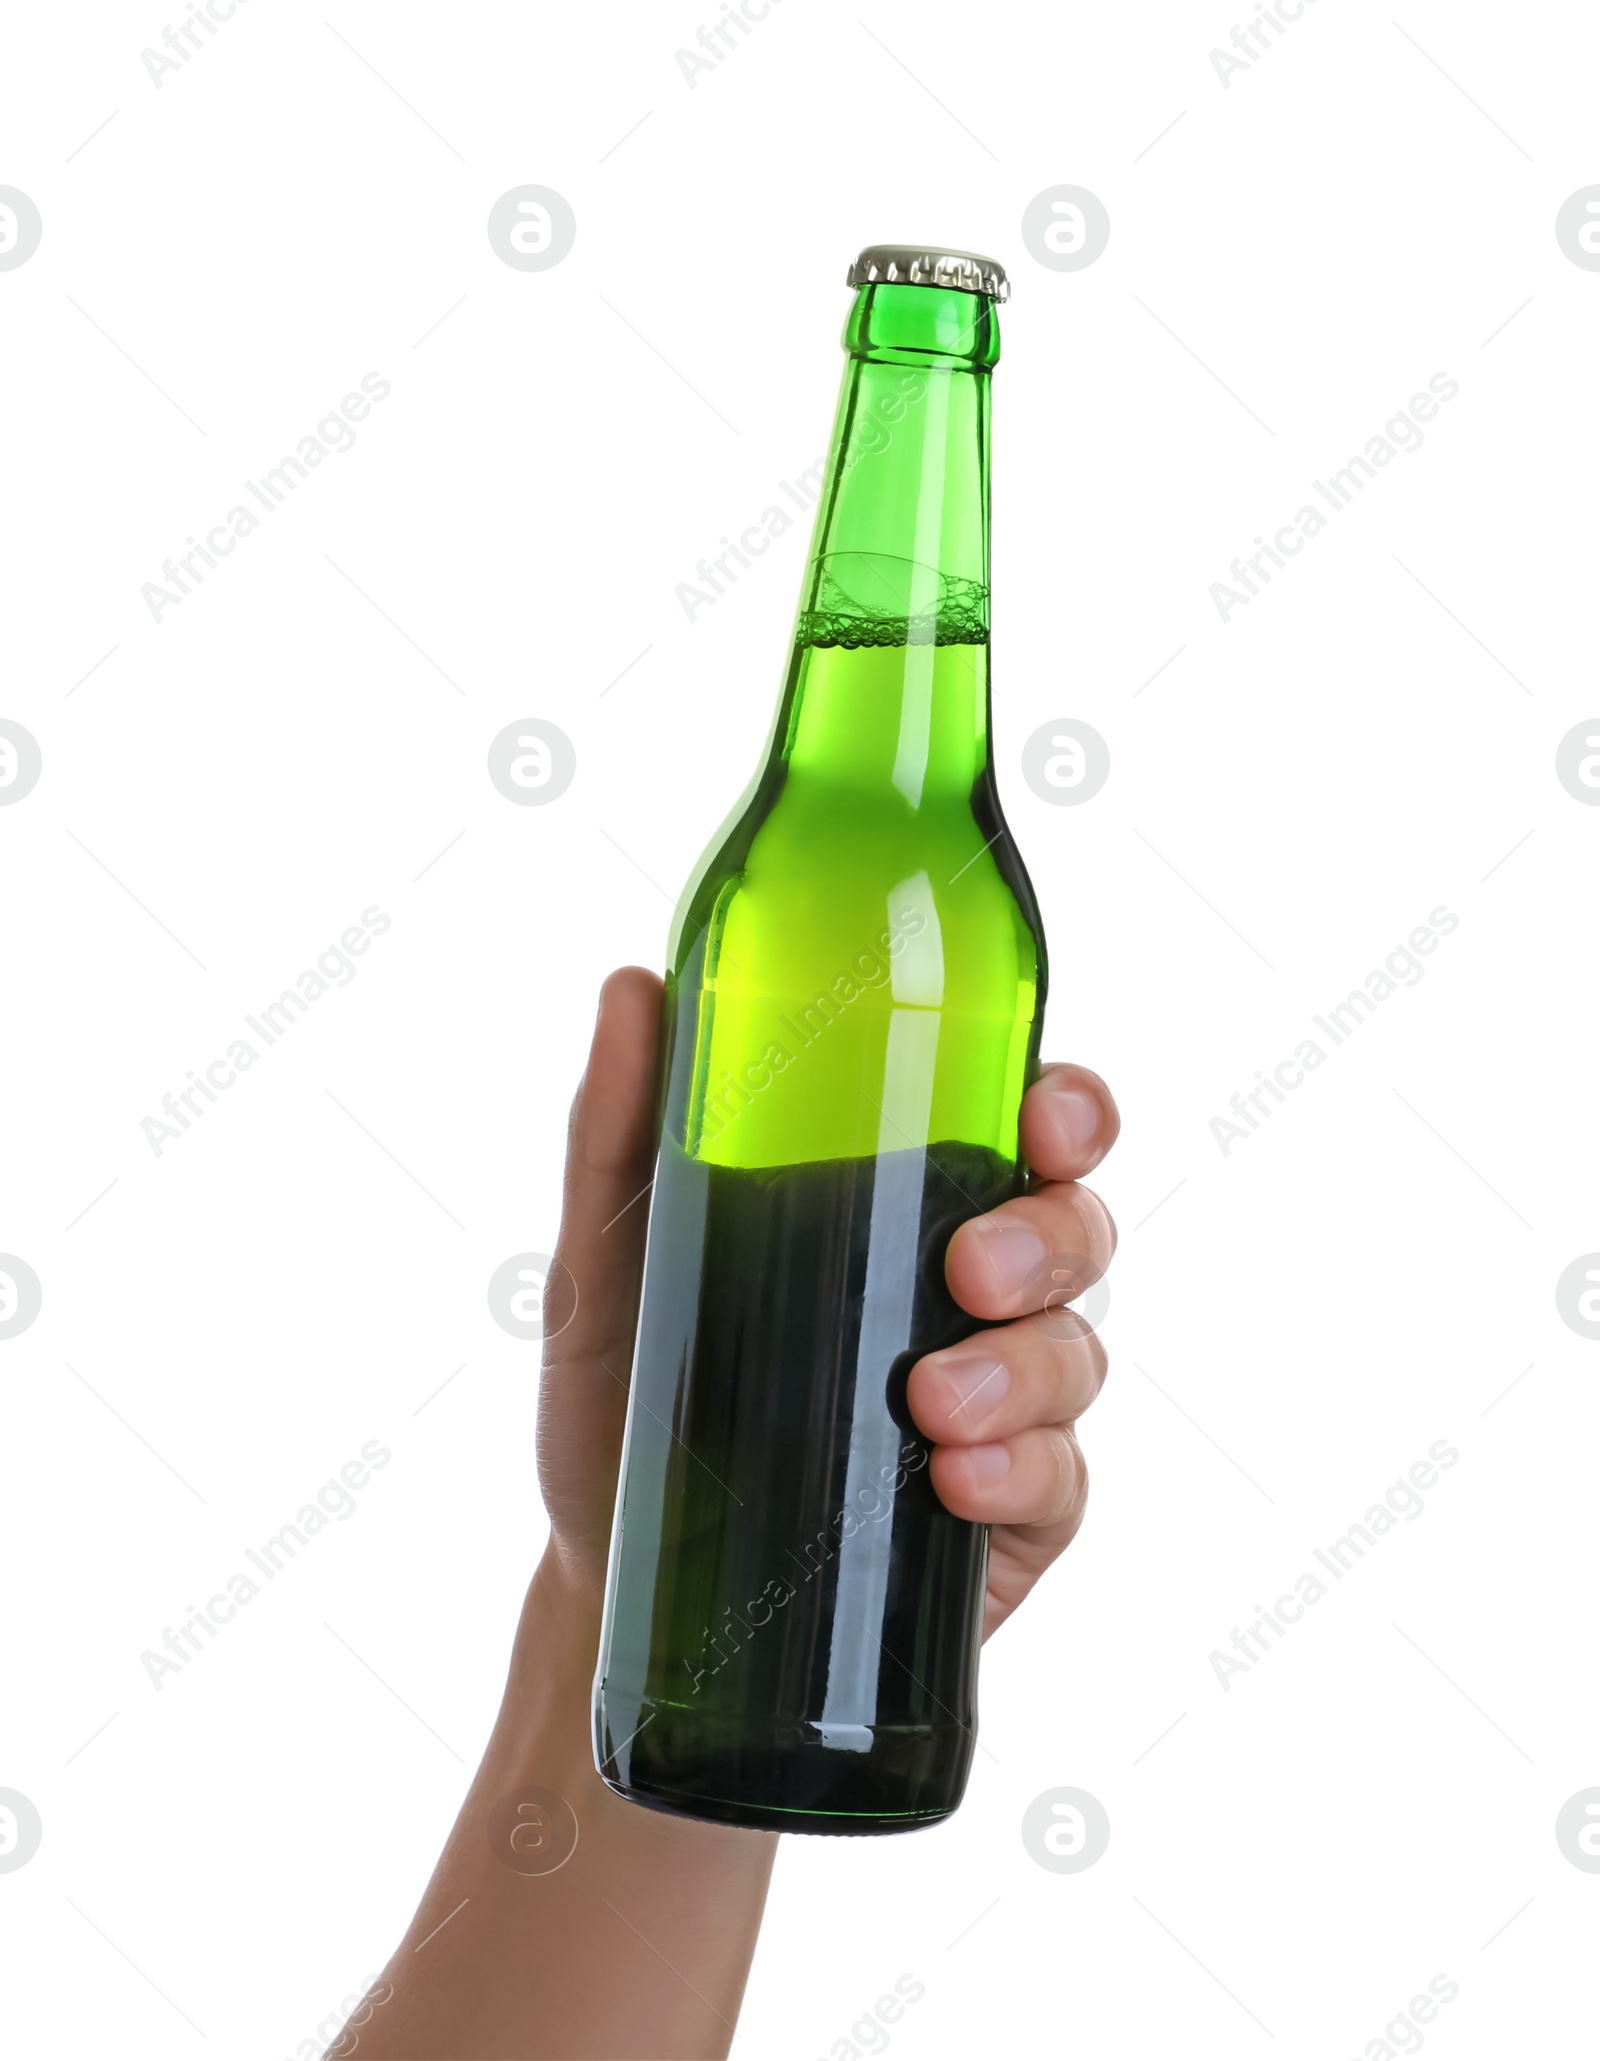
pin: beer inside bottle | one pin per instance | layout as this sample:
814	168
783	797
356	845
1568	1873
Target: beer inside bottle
853	1010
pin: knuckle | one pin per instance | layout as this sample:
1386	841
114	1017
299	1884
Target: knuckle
1080	1471
1071	1476
1065	1327
1098	1221
1081	1361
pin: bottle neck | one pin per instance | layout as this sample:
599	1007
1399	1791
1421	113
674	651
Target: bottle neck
900	551
889	692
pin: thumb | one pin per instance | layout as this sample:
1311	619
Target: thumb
592	1297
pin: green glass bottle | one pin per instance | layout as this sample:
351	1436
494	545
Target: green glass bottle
853	1010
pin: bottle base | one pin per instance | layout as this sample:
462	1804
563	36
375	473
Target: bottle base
753	1817
785	1775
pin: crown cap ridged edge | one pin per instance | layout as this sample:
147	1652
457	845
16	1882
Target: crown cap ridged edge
914	264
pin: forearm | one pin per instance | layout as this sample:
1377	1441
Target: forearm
637	1945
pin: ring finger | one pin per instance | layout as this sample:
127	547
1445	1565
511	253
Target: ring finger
1006	1380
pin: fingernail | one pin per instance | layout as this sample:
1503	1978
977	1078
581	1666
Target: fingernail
1015	1253
1077	1120
976	1381
988	1463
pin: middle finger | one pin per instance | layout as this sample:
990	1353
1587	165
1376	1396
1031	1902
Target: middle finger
1038	1249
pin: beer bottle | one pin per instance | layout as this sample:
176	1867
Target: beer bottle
853	1010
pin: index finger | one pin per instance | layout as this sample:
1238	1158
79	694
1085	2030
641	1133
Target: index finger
1069	1122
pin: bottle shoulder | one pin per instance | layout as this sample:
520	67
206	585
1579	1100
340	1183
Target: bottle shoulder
799	890
876	791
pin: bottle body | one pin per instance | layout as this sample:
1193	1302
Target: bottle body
853	1004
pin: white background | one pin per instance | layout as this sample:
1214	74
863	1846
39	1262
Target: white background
1292	1324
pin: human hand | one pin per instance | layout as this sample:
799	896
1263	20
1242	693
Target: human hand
999	1408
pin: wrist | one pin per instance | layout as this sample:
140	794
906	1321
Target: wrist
557	1639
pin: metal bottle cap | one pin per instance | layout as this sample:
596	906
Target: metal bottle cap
914	264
